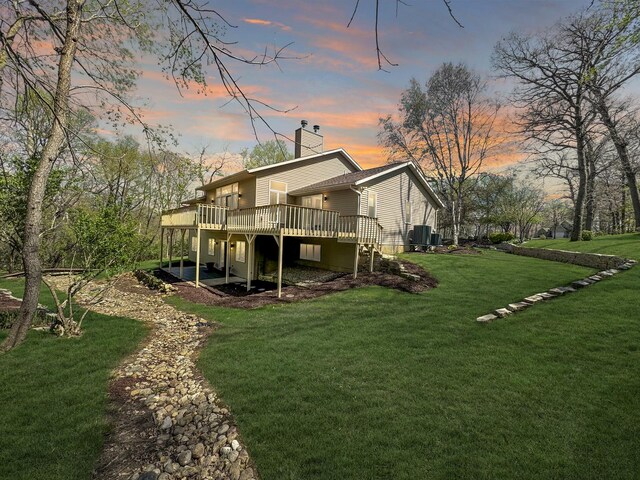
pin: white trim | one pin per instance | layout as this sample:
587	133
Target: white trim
417	172
308	157
375	206
286	190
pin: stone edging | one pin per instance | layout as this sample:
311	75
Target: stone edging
592	260
555	292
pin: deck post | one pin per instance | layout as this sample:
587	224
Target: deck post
373	253
355	261
161	246
182	253
170	248
228	258
198	257
280	251
251	241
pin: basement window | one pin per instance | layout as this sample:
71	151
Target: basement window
309	251
211	246
194	244
241	251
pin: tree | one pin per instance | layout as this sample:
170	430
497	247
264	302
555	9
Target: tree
551	98
105	242
267	153
447	128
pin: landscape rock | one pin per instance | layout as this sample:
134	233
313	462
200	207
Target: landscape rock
503	312
162	381
486	318
516	307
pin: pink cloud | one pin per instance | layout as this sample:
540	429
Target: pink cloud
259	21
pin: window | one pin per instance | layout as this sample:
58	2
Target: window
277	192
372	204
407	212
312	201
227	196
211	246
240	251
310	252
194	244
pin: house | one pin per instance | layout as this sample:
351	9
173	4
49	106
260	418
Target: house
563	230
320	209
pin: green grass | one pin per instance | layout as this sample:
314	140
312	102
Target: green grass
626	245
53	396
378	384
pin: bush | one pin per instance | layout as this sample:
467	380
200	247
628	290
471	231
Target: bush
542	237
501	237
587	235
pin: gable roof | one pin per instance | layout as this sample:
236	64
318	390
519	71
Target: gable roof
247	173
341	181
365	176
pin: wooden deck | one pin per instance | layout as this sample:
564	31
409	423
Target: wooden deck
286	220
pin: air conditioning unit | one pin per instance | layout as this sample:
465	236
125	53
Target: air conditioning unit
421	235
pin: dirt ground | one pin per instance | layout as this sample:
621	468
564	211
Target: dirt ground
237	297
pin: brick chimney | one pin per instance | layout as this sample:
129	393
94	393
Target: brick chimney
308	142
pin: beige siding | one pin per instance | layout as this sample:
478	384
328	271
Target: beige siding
246	189
394	190
301	174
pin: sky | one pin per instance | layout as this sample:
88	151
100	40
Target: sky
332	78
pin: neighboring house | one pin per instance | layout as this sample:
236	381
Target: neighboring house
319	209
561	231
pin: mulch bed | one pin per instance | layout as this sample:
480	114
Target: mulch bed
293	293
456	251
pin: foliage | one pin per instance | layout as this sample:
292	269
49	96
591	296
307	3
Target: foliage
586	236
500	237
447	128
266	153
105	243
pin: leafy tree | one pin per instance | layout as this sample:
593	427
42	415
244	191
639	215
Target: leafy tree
447	128
105	242
266	153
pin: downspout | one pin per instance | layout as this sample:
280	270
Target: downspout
359	192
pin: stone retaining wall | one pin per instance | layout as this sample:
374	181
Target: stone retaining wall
591	260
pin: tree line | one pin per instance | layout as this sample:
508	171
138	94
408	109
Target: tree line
575	123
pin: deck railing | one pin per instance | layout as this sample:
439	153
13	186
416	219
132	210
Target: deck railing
179	217
360	229
271	219
212	216
292	219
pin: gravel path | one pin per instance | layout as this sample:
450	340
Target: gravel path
191	435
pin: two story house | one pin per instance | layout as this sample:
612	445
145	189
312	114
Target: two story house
319	209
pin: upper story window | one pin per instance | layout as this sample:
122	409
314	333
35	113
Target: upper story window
277	192
312	201
372	204
227	196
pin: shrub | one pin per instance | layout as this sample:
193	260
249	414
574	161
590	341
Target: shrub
542	237
501	237
152	282
587	235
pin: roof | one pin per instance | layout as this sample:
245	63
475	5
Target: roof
341	181
365	176
247	173
193	201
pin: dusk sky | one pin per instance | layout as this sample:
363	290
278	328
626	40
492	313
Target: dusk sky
335	81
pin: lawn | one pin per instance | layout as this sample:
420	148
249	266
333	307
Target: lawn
53	396
627	245
378	384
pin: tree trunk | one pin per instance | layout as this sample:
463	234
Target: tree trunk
33	218
591	187
576	231
623	154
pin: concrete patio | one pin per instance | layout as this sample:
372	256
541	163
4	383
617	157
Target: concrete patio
211	279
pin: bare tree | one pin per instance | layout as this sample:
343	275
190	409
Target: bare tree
446	128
